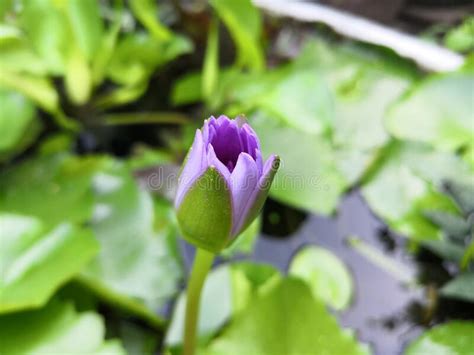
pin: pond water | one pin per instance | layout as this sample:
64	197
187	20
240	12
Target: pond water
381	311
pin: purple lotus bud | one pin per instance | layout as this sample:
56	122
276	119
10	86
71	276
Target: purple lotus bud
223	184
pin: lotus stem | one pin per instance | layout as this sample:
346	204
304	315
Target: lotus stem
202	265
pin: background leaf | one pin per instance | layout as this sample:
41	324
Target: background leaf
325	274
56	329
453	338
271	324
36	260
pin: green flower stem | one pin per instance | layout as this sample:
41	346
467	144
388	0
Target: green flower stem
202	264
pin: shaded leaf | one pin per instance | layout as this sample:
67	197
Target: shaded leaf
452	338
461	287
56	329
16	120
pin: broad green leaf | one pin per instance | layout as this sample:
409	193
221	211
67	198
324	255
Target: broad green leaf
438	111
452	338
325	274
147	13
55	189
461	287
227	290
407	181
308	177
16	116
16	54
187	89
135	268
148	54
285	320
36	260
461	38
244	22
49	31
107	45
121	95
37	88
56	329
302	100
86	25
78	78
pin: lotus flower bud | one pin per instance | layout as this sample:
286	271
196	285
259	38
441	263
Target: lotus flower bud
223	184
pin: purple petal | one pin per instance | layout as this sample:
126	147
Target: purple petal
244	181
195	165
212	160
259	194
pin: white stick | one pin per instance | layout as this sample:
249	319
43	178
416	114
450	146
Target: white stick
427	55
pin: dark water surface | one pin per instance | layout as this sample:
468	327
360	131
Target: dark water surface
382	311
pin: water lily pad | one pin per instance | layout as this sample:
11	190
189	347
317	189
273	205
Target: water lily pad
453	338
37	260
56	329
438	111
326	275
285	320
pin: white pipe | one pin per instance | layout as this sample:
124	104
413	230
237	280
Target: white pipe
428	55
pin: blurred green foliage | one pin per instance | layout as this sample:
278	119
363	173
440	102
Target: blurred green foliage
90	259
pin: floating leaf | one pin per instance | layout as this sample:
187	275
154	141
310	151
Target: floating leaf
272	324
461	287
86	25
308	177
56	329
407	181
325	274
54	189
452	338
36	260
438	111
135	268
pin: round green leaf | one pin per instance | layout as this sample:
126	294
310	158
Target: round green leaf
326	275
453	338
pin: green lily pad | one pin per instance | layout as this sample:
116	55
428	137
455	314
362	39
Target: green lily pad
135	268
406	181
37	260
56	329
461	287
285	320
325	274
453	338
308	177
438	111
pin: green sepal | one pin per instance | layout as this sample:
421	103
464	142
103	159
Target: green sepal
205	214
